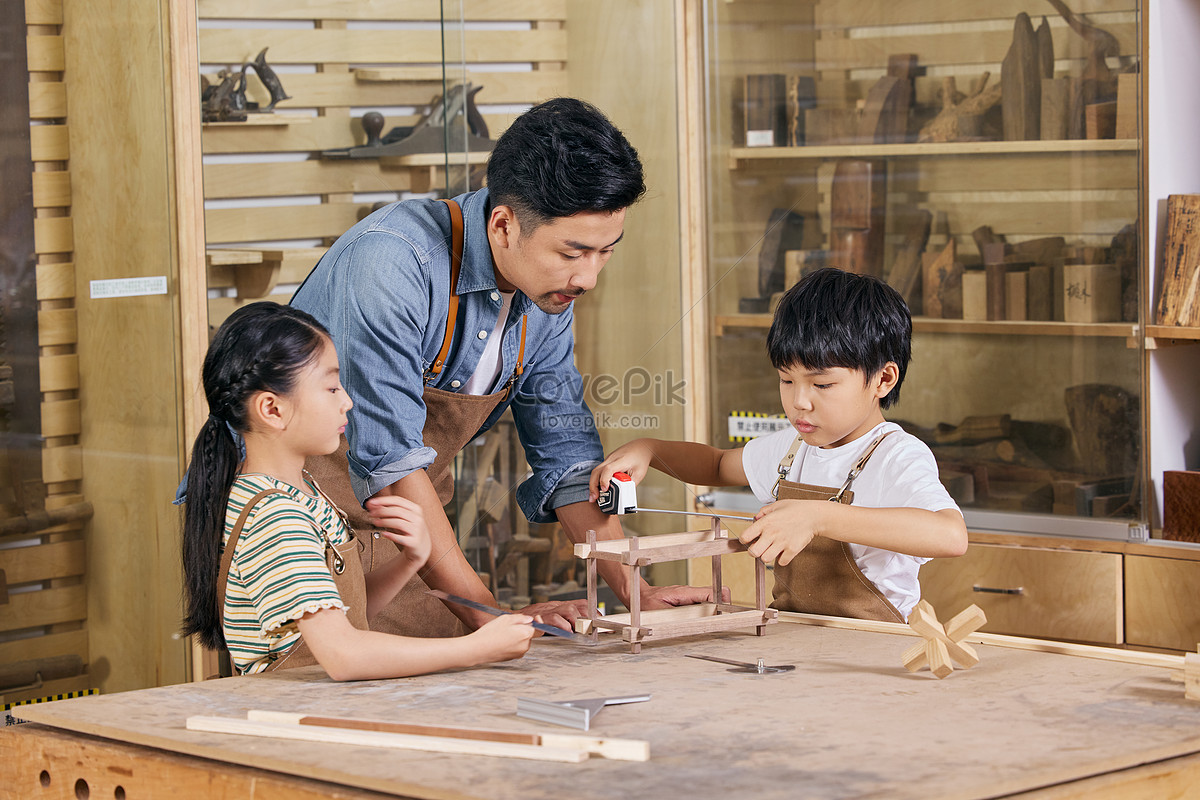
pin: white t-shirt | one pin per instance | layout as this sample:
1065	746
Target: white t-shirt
901	473
488	368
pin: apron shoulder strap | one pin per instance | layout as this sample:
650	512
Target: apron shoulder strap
234	535
456	254
785	464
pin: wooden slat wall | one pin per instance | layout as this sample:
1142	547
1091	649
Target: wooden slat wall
46	612
377	54
1085	197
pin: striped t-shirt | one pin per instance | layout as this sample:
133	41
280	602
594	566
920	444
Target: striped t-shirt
279	572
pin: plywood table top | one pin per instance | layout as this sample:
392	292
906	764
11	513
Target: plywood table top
848	722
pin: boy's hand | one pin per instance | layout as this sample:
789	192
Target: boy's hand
782	529
402	521
633	459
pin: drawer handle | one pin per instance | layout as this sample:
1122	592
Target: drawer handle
993	590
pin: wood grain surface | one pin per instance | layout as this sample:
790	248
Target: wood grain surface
848	722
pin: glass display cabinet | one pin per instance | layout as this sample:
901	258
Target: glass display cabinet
987	161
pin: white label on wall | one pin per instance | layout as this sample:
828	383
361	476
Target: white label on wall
760	138
129	287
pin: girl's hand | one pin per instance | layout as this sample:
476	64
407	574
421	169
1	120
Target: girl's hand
402	521
503	638
633	459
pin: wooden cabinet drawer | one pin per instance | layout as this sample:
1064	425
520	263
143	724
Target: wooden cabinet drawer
1162	598
1025	591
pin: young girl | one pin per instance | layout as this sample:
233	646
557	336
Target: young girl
272	572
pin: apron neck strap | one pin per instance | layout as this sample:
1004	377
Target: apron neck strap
456	254
785	465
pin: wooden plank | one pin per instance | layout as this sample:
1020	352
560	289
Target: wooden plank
45	53
53	235
299	46
61	464
59	373
60	418
55	281
953	48
51	189
315	176
387	10
645	543
914	12
49	142
45	607
43	562
47	100
331	88
1179	295
310	733
52	644
43	12
284	222
57	326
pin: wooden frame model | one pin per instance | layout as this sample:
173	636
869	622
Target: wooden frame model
637	552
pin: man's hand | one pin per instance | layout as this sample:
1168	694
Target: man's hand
560	615
671	596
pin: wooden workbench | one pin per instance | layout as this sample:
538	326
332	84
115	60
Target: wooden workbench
849	722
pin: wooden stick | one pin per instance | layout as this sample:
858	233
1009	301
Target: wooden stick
616	749
437	744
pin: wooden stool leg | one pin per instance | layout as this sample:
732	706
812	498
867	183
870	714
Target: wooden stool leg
635	596
716	565
592	577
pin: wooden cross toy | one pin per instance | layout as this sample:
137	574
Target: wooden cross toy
940	644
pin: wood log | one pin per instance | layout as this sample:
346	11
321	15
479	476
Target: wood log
1128	114
858	215
986	241
765	110
1045	50
997	288
1021	82
1124	251
974	289
1091	293
1105	422
1179	300
1040	304
801	96
941	278
1097	78
1101	120
785	231
1056	109
1042	251
1016	291
1181	506
905	273
884	117
829	126
960	120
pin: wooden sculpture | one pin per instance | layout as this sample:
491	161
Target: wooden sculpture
941	645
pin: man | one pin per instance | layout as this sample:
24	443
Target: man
431	367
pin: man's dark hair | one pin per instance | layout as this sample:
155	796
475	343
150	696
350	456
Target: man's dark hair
560	158
833	318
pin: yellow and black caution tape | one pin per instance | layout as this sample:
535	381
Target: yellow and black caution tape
9	719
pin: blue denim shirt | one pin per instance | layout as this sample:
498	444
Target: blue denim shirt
383	291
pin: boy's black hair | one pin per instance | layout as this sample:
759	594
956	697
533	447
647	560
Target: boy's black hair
560	158
833	318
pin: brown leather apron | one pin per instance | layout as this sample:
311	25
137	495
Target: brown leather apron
451	420
823	578
344	567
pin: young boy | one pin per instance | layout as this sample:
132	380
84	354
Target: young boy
841	345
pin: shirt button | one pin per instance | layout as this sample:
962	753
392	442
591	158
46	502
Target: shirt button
483	334
455	384
495	296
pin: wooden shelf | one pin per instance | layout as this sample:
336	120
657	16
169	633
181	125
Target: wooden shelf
739	155
1117	330
262	120
434	159
1169	335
